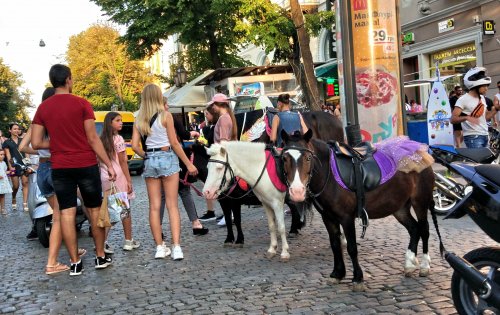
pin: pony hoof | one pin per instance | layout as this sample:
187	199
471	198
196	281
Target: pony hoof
270	255
409	272
334	281
228	244
424	272
238	245
293	234
285	258
358	287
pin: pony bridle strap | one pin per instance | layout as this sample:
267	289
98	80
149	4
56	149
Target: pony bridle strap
227	167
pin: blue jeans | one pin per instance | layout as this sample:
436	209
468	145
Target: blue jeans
161	163
476	141
44	179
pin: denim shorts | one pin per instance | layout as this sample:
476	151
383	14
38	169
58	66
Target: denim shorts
161	163
476	141
44	179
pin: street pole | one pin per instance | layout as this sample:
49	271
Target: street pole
347	78
329	34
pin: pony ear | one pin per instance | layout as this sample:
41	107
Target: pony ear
222	151
308	135
284	135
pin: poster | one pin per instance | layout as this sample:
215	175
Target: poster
439	126
376	62
250	89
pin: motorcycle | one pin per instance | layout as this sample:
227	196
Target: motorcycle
39	209
475	284
447	190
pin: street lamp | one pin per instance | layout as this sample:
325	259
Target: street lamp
42	43
180	77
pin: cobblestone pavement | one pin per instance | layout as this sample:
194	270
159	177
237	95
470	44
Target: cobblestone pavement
214	279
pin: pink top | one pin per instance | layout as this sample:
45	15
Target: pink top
223	128
121	180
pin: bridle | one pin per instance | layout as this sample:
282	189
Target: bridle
311	157
233	181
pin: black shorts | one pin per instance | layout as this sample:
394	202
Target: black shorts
87	179
457	127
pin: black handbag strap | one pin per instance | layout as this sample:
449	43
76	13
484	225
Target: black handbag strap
144	137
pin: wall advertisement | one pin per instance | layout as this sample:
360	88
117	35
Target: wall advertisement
439	125
376	61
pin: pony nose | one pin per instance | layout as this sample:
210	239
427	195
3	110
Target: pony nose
298	193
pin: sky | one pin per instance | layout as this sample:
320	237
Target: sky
23	23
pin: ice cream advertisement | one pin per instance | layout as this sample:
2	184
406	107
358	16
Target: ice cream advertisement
376	62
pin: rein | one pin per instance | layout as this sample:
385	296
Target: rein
185	180
233	181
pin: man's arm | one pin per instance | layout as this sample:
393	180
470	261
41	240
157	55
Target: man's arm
303	124
24	146
96	145
456	118
491	113
37	137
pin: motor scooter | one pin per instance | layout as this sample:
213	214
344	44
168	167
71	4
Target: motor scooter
39	209
475	283
447	190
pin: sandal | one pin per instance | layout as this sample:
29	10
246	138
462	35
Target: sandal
50	270
81	252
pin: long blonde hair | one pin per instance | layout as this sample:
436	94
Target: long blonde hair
151	103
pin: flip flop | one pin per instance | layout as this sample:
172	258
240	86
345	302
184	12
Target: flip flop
50	270
81	252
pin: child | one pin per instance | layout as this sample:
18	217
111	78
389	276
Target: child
4	182
114	145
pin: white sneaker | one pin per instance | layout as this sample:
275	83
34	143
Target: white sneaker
108	249
131	244
177	253
162	251
222	222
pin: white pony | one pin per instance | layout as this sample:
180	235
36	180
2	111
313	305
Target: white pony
247	160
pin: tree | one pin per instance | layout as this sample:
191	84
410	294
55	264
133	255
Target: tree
14	102
207	27
103	73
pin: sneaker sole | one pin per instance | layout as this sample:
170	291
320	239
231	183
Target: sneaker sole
177	259
106	265
205	220
76	273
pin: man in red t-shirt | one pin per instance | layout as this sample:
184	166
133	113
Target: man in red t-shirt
74	143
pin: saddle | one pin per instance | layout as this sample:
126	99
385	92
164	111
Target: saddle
276	169
346	158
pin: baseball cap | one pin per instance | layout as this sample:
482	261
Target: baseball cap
219	97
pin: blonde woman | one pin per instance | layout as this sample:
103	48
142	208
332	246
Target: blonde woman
154	127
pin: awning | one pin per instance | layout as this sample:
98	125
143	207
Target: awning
190	96
328	70
413	83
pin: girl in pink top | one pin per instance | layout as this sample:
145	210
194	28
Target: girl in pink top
115	148
226	128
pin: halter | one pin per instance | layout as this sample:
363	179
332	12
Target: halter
233	181
308	189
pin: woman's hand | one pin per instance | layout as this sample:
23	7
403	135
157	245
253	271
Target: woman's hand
130	189
192	170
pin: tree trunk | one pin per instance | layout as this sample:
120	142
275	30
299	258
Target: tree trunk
214	52
311	87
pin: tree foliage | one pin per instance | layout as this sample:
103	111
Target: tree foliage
14	102
103	73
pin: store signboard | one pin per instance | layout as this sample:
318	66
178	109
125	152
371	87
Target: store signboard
445	26
489	27
453	56
376	62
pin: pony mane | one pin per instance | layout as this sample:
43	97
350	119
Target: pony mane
242	146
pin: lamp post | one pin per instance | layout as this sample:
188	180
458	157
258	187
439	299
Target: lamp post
42	43
180	77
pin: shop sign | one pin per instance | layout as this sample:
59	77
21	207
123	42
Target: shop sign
455	55
376	63
445	26
489	27
408	38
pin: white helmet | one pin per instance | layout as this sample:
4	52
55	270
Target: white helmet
476	77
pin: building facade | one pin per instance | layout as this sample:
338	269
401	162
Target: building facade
451	34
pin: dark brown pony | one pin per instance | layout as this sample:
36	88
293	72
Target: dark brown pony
310	158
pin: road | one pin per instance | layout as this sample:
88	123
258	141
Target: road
216	280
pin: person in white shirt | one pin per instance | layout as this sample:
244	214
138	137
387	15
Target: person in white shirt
470	110
496	104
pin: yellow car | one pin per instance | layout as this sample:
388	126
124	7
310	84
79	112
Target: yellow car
135	162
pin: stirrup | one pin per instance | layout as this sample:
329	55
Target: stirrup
363	222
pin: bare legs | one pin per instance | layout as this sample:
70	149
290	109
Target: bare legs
55	232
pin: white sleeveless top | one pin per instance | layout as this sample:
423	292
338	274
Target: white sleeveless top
158	137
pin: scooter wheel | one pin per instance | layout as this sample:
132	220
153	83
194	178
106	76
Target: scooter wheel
485	259
43	227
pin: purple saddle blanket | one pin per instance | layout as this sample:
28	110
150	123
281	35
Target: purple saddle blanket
376	170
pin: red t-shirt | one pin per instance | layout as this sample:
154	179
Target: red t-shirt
63	116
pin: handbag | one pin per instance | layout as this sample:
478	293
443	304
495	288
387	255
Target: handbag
118	204
103	220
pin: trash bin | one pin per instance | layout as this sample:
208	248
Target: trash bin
417	131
